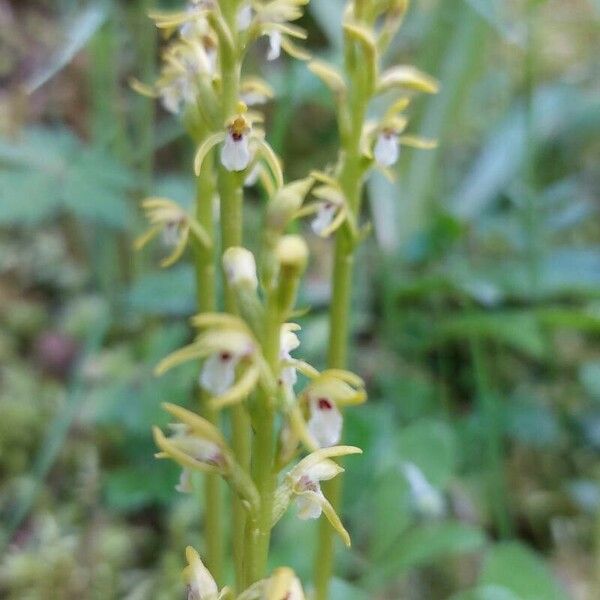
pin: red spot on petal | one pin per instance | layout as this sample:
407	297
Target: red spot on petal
324	404
225	356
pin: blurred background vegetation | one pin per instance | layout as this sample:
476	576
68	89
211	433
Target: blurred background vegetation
476	309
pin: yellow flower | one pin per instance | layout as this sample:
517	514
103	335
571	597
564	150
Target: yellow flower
174	224
232	361
302	483
242	145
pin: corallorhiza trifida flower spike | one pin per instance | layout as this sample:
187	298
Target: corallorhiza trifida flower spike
286	415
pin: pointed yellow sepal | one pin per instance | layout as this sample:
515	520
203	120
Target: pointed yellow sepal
407	77
329	76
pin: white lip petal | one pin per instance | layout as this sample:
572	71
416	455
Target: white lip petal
387	149
217	374
185	482
324	217
235	153
196	26
289	377
244	17
325	423
289	341
308	507
274	45
170	235
171	98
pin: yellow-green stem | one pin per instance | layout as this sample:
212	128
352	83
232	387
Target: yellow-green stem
230	192
206	298
263	452
231	198
337	357
339	316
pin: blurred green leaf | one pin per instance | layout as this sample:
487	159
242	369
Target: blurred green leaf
342	590
133	487
518	330
425	544
167	292
516	568
555	108
486	592
432	446
77	33
49	171
491	11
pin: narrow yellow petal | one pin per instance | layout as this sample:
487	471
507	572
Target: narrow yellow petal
407	77
328	75
199	233
421	143
237	392
181	457
146	237
331	515
200	426
271	159
141	88
315	457
191	352
206	146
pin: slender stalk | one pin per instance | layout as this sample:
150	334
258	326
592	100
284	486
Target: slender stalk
263	470
339	317
206	298
231	198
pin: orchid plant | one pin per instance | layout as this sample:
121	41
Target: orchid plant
247	349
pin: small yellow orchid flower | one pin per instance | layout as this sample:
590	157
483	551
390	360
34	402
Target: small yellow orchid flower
174	224
225	346
197	445
241	143
302	483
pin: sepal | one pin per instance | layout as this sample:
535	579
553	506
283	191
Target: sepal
407	77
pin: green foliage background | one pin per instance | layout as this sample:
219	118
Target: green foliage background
476	308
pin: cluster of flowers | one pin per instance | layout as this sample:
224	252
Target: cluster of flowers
231	348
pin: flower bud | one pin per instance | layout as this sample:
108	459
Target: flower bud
292	254
286	203
240	268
